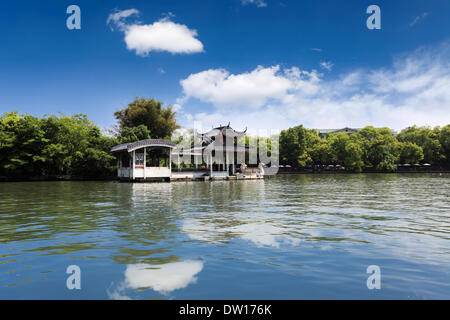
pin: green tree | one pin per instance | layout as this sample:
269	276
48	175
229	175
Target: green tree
353	159
388	163
444	139
54	145
95	161
22	141
318	149
380	148
347	151
69	138
148	112
427	139
293	146
132	134
320	152
411	153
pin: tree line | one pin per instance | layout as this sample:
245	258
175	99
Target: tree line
369	149
74	146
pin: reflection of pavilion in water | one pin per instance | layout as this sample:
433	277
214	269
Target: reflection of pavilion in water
156	265
161	193
229	213
215	155
146	224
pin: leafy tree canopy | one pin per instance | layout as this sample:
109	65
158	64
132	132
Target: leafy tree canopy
427	139
150	113
131	134
52	146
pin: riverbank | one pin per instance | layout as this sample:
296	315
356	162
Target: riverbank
53	178
341	170
363	172
281	172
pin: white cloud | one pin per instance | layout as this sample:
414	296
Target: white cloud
327	65
258	3
162	35
413	90
252	89
317	49
118	17
221	88
411	74
352	78
418	18
176	107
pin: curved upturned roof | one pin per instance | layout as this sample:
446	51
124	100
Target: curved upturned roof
225	130
143	144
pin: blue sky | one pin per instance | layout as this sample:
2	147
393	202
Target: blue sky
261	64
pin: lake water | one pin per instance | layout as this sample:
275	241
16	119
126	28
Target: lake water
285	237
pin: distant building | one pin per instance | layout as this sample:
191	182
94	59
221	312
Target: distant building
324	133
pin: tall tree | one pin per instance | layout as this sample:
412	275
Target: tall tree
293	146
444	139
380	147
132	134
347	151
22	142
148	112
427	139
411	153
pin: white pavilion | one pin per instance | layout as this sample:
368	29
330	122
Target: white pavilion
216	155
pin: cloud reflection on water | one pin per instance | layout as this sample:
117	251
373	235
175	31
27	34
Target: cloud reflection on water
260	233
163	278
